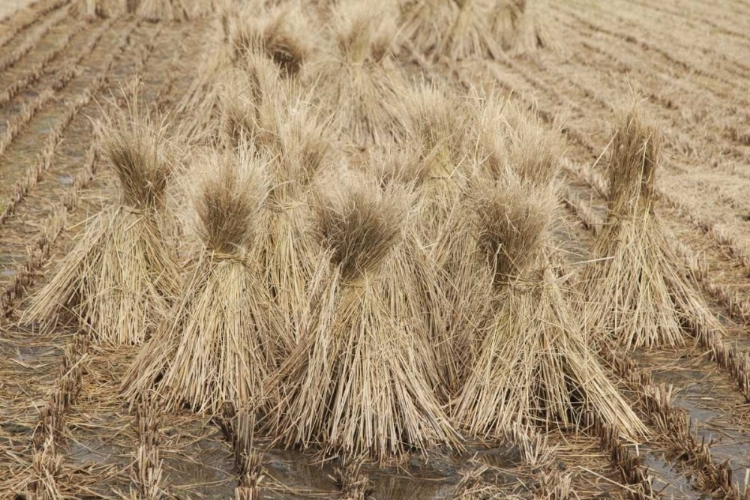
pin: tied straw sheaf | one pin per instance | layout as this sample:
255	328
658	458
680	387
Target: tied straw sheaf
638	294
120	278
359	380
224	337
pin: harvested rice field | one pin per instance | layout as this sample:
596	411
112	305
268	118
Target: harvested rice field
409	249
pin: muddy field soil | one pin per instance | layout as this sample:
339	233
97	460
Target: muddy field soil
689	62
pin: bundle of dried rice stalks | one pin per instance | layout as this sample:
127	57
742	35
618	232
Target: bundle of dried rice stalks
120	277
301	149
359	80
281	35
90	9
457	29
358	382
520	26
509	138
533	365
420	285
284	126
202	8
224	335
435	120
637	292
413	290
162	10
247	103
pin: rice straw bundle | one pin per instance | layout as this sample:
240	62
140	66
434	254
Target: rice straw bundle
224	335
533	365
162	10
120	277
637	292
283	126
359	80
277	35
508	137
413	290
435	121
245	104
418	286
357	381
89	9
457	29
520	26
301	148
240	104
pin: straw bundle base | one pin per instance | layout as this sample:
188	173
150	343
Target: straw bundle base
289	263
448	28
162	10
353	384
637	295
219	345
534	367
520	26
117	280
366	97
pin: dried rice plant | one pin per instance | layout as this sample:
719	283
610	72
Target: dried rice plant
357	381
245	104
457	29
120	277
413	290
509	138
638	292
286	127
358	80
533	365
234	105
90	9
521	26
436	119
204	8
301	149
224	336
279	35
162	10
416	291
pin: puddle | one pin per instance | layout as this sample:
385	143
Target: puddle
668	481
209	473
87	451
709	398
433	477
34	353
65	179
